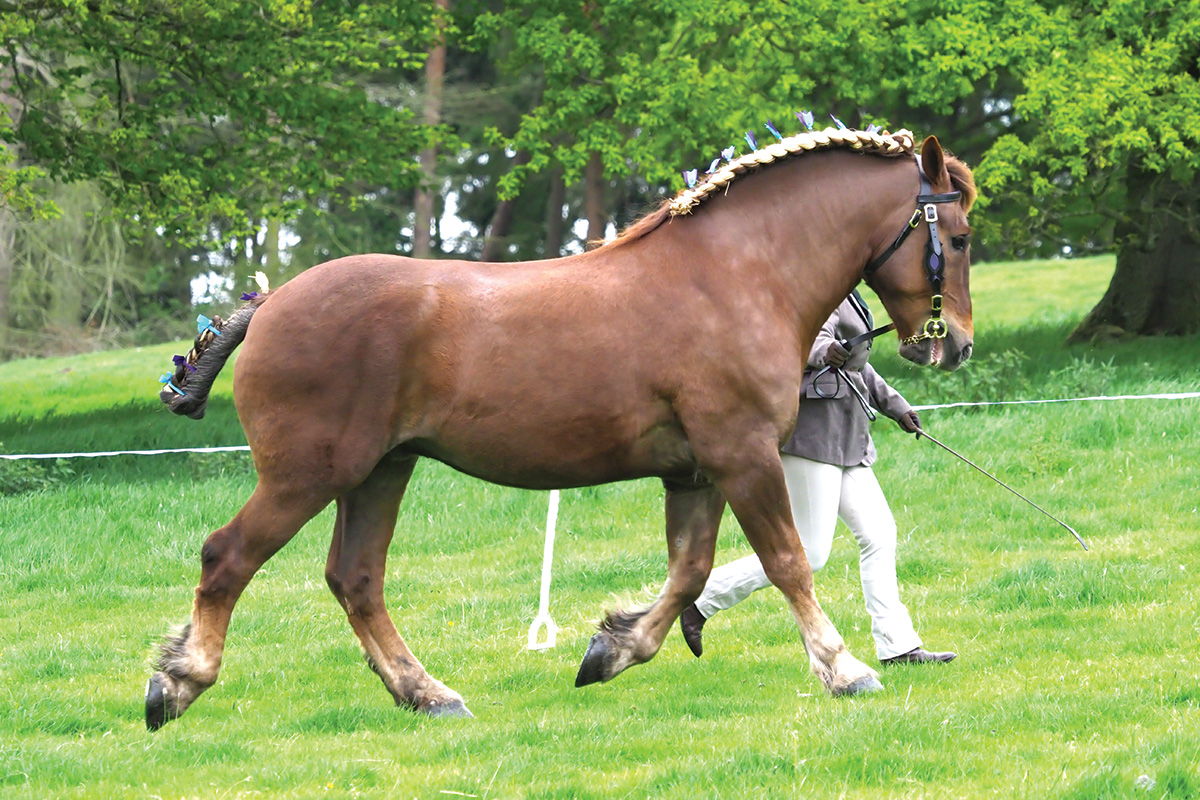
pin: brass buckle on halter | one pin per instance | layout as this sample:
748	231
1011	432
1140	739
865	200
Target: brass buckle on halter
915	220
935	326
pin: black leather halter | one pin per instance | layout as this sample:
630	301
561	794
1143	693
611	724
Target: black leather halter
935	261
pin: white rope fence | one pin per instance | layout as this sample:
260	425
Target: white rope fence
550	523
543	618
1165	396
127	452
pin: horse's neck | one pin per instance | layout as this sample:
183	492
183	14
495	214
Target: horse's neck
802	232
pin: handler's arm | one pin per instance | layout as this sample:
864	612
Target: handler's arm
889	401
825	338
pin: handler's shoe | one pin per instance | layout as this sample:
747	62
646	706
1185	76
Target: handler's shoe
914	656
691	622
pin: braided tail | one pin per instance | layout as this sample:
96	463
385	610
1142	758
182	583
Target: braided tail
194	375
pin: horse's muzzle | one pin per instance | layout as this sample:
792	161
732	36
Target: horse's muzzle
947	353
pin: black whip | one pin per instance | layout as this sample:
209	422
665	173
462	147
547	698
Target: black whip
921	433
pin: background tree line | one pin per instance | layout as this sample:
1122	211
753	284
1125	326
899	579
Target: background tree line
155	151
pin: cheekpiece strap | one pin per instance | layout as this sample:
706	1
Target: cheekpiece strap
944	197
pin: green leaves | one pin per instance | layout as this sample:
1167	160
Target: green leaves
226	110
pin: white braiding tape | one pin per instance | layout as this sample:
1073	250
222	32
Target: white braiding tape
543	617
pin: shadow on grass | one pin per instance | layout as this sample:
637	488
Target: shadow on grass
132	426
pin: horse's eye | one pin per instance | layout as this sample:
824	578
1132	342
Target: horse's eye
960	242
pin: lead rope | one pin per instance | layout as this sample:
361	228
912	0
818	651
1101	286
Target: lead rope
840	375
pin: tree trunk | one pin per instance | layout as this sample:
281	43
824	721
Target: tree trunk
554	215
8	229
435	70
7	234
1155	289
501	223
64	311
594	200
270	253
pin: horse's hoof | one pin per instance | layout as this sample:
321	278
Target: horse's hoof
156	702
455	708
591	669
864	685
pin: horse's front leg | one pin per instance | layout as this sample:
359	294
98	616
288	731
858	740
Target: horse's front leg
633	637
757	494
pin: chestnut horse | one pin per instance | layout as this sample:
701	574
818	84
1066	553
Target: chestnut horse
675	351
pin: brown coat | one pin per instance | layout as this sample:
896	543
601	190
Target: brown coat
835	430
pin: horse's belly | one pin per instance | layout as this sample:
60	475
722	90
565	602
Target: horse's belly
537	453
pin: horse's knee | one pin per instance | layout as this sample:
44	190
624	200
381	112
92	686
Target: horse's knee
359	592
222	571
789	571
816	559
689	580
217	548
334	581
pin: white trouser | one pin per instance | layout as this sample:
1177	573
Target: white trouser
820	494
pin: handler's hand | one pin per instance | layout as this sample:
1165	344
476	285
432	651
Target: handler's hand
910	422
836	355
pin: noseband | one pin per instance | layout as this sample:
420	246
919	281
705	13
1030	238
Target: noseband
935	262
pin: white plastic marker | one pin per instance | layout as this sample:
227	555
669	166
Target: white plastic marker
543	617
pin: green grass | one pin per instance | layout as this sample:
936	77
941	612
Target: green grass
1078	672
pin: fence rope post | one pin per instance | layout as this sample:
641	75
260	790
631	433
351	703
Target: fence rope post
543	617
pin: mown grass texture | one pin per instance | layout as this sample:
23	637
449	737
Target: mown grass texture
1078	675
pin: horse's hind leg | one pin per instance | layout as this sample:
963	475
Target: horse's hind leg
626	638
366	519
189	661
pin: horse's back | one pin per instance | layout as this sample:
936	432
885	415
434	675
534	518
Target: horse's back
529	374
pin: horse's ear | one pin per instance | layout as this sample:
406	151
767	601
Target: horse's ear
933	160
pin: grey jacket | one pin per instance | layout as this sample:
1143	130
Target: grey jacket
835	430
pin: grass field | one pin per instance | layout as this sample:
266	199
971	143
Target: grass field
1078	674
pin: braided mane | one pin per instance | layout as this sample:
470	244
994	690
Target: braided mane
894	144
888	145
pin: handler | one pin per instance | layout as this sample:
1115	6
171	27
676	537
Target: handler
827	466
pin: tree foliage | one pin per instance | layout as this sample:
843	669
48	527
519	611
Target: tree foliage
199	110
1111	160
261	125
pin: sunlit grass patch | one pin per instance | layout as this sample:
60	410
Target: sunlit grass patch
1041	584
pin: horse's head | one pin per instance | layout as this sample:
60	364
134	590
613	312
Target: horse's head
922	277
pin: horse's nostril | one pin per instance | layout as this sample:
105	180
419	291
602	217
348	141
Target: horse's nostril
966	352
